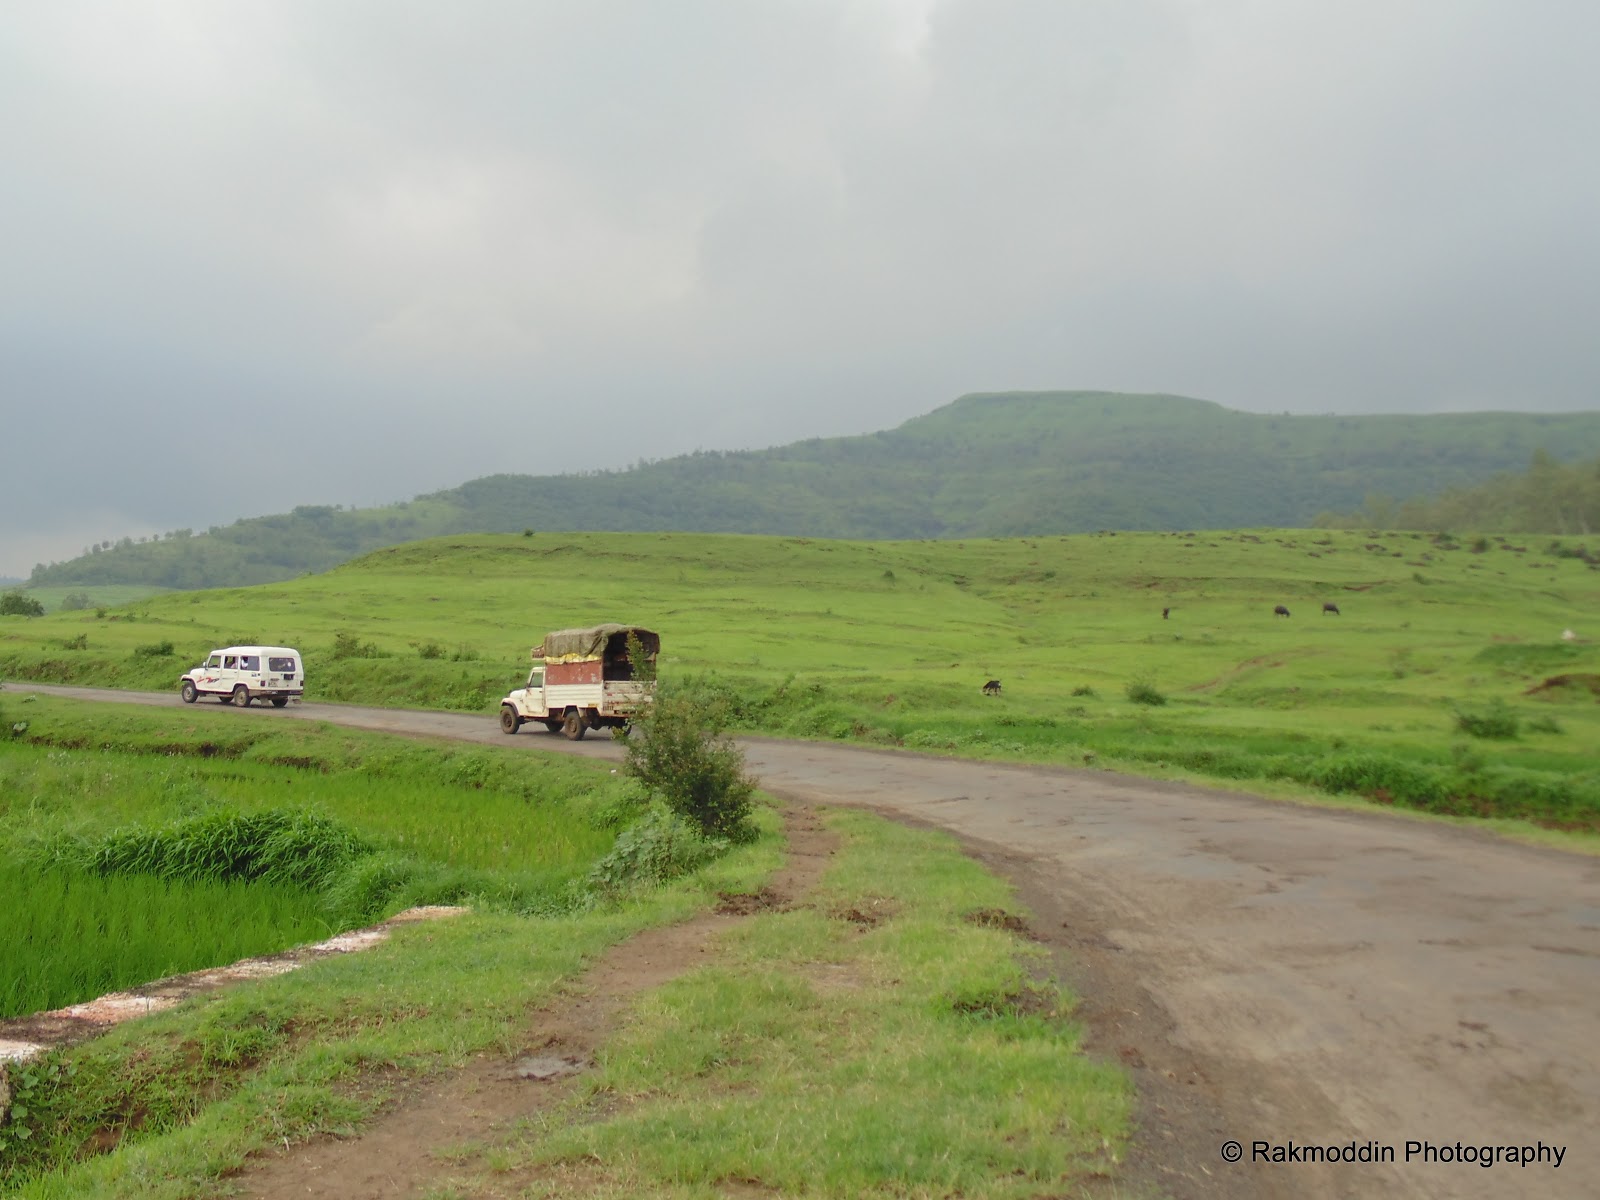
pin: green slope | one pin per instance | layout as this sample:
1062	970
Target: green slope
987	465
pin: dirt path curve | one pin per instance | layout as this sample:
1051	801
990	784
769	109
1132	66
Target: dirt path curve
1268	972
410	1150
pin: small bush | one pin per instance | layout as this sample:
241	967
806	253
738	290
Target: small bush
430	650
1083	689
81	642
348	645
154	650
657	847
77	602
1141	691
684	759
1496	721
1544	723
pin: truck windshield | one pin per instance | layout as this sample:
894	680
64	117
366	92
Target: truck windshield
536	677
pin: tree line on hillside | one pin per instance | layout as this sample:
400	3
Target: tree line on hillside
1549	497
1003	465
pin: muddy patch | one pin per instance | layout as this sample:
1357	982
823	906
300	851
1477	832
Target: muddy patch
1574	686
999	918
867	912
747	904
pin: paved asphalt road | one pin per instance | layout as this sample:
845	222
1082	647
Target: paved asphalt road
1295	976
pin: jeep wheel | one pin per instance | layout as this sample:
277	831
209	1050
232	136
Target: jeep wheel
554	726
241	697
189	692
510	721
279	701
574	726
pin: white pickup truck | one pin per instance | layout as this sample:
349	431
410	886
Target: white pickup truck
584	679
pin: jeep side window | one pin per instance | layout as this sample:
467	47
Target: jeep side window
230	662
249	662
536	677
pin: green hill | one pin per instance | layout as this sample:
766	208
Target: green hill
987	465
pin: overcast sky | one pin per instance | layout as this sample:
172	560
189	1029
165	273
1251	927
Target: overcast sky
254	255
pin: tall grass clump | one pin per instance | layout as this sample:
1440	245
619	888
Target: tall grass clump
1496	721
278	845
1142	691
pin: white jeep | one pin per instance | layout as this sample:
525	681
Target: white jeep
239	674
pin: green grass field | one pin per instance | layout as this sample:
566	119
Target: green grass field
1445	684
889	643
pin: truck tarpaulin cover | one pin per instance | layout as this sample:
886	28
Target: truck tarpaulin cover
586	645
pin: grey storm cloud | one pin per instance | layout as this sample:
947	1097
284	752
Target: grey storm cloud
263	254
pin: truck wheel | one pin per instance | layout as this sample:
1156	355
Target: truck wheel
241	697
510	720
574	726
189	692
279	701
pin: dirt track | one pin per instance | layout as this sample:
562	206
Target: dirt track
1267	972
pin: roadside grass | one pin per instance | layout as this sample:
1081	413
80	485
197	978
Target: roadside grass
166	1107
889	643
889	1038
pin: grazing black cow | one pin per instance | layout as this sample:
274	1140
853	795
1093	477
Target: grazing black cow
992	688
1280	611
1328	606
1164	613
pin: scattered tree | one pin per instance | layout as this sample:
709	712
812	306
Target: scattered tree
17	603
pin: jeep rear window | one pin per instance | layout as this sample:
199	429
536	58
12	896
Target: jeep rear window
283	666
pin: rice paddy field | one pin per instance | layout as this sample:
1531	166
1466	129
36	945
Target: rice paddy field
136	845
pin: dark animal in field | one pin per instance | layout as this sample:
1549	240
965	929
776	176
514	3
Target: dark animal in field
1280	611
992	688
1164	613
1330	607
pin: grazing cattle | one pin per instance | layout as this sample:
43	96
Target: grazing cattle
1164	613
992	688
1328	606
1280	611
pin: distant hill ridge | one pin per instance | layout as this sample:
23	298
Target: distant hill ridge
1000	464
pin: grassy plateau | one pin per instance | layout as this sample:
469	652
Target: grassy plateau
1446	683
